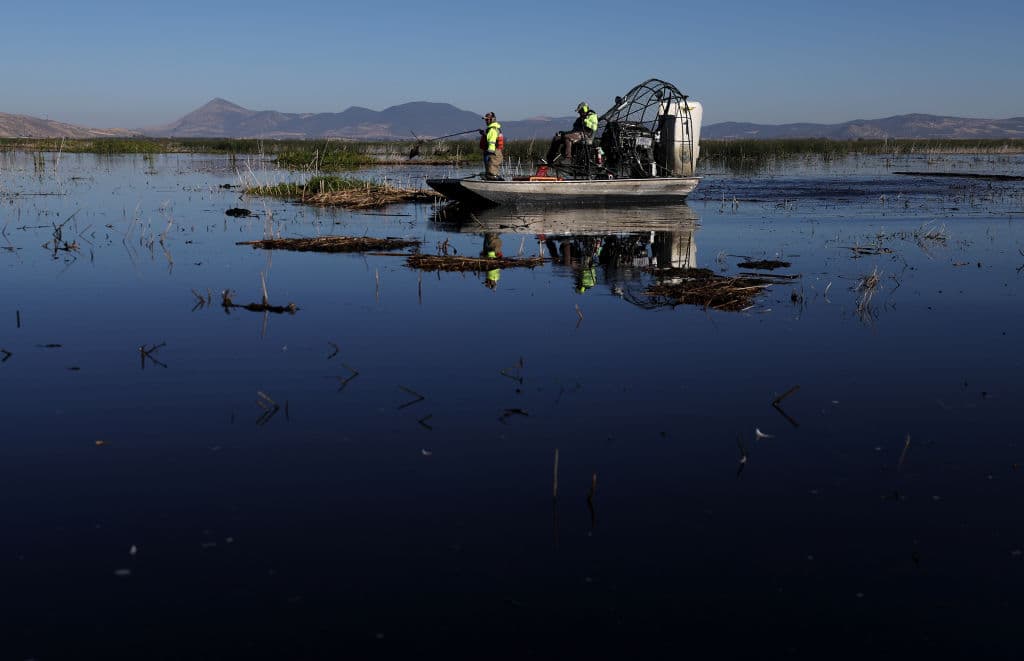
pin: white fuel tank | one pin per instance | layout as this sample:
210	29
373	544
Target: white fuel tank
679	145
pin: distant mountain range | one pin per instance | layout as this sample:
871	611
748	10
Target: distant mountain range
223	119
220	118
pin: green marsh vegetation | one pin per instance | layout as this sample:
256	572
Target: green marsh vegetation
334	155
751	155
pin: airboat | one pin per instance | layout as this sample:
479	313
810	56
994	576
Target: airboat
645	150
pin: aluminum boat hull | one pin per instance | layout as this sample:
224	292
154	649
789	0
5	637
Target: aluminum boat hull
578	192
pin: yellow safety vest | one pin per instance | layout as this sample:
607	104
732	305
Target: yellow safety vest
493	131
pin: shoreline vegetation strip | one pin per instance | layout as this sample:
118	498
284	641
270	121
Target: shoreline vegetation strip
337	155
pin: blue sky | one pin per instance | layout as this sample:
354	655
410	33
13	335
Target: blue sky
128	64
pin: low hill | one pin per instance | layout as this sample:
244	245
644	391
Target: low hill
916	126
24	126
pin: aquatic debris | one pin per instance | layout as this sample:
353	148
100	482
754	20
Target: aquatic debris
697	286
331	244
202	302
765	264
147	352
868	285
777	400
238	212
227	303
269	406
877	249
475	264
508	413
775	404
903	455
419	397
554	486
743	456
344	380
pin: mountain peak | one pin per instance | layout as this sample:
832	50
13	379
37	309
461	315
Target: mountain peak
221	105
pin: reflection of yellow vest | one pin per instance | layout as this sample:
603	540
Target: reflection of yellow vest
588	278
494	274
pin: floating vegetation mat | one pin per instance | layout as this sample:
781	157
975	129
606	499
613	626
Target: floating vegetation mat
332	244
766	264
476	264
371	197
345	192
706	288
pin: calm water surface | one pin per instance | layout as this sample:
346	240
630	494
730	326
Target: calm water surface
372	476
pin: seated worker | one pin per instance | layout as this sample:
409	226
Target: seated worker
584	127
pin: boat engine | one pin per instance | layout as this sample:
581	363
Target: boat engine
652	131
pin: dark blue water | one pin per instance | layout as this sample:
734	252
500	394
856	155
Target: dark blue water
372	476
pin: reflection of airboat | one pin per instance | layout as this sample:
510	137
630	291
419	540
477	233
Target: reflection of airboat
645	150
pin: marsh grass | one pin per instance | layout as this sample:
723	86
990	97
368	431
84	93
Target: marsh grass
750	154
340	154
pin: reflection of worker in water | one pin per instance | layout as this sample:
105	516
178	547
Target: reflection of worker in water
581	253
586	278
492	250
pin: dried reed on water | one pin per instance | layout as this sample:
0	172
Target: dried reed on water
456	263
331	244
704	287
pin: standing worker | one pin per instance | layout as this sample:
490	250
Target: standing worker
584	127
492	142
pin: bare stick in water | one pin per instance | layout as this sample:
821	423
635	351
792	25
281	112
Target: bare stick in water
554	488
903	455
784	395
